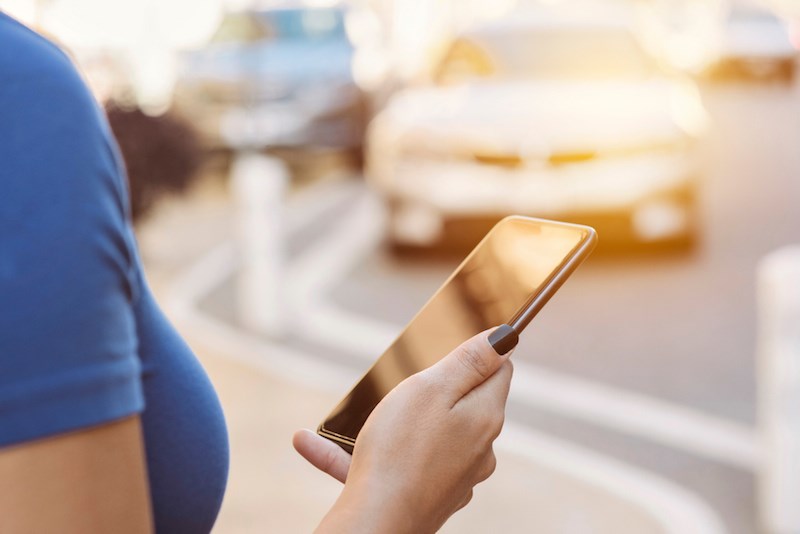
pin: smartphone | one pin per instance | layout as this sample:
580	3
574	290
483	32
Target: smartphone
506	279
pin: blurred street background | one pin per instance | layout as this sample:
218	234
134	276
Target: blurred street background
305	175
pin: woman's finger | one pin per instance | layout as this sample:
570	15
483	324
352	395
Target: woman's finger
471	363
322	454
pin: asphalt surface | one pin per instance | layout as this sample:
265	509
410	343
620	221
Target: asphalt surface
679	328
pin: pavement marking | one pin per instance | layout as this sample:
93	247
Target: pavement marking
321	268
311	203
316	271
638	415
677	509
199	279
182	304
533	385
272	358
220	263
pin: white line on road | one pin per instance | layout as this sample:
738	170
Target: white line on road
324	265
675	508
197	282
316	272
311	203
627	412
275	359
636	414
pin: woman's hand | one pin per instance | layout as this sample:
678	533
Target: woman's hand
423	448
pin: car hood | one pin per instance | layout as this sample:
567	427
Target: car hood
538	118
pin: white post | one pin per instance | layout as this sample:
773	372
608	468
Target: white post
259	186
779	389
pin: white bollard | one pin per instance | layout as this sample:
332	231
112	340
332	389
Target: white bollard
259	185
779	390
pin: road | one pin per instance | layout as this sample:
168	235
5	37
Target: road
659	349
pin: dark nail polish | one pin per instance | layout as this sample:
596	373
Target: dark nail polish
503	339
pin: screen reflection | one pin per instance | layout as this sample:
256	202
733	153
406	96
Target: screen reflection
492	286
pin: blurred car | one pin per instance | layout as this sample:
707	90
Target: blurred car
756	46
274	78
552	118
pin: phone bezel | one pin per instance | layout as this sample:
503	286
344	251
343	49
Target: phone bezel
521	319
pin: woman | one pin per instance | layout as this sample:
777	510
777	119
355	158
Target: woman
107	421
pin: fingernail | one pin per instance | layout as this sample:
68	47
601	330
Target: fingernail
503	339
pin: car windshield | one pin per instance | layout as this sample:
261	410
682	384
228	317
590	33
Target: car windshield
281	24
537	53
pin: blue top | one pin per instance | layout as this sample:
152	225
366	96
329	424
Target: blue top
82	342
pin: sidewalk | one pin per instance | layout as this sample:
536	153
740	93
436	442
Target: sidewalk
271	489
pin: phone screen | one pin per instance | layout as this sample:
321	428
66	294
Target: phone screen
495	284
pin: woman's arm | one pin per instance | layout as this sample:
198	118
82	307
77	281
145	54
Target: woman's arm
92	480
424	447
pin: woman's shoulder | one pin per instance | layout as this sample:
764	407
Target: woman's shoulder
62	182
27	57
42	89
56	138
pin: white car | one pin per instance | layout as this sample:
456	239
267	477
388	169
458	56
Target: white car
557	119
